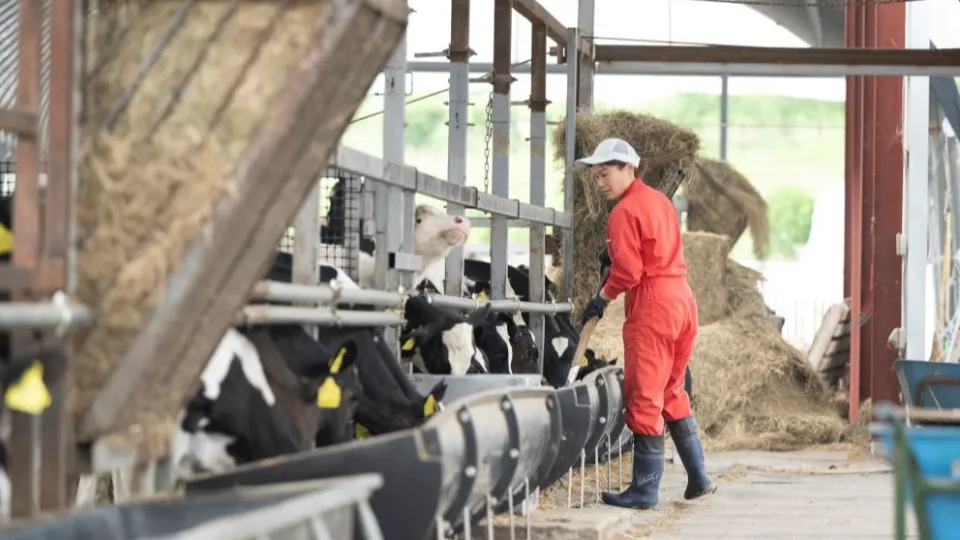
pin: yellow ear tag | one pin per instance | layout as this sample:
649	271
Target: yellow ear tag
328	396
429	406
409	344
584	361
29	394
362	432
482	295
6	240
336	362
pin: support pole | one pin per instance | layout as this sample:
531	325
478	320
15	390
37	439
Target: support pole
915	213
588	68
25	452
538	174
724	115
853	193
952	158
57	421
500	167
389	200
459	54
573	37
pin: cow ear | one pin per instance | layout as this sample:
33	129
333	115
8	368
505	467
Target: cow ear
340	361
613	362
479	316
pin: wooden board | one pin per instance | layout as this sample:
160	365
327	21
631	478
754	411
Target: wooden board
835	323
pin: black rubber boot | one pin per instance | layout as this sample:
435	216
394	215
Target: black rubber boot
687	440
644	490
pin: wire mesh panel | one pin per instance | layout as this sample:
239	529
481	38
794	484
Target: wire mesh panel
8	179
340	223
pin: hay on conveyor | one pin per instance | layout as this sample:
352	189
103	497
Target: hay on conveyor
753	389
160	140
723	201
667	152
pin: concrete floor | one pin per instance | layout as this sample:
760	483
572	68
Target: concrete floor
803	495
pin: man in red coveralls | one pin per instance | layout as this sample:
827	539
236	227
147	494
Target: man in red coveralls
646	252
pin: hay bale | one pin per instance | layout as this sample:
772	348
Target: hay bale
158	146
755	390
706	256
667	152
723	201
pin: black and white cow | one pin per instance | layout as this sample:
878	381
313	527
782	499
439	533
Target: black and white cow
441	342
386	392
23	389
436	233
262	395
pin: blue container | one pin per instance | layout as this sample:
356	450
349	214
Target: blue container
934	385
936	451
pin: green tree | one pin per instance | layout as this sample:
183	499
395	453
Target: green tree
791	211
423	124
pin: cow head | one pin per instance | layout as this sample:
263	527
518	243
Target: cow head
436	233
588	364
444	341
336	395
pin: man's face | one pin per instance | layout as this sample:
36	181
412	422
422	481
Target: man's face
613	179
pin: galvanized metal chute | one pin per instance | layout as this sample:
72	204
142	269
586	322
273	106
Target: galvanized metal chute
202	298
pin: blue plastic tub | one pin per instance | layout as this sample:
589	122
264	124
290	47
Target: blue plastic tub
934	385
936	453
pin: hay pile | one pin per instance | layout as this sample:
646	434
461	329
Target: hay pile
753	389
173	94
723	201
706	256
667	152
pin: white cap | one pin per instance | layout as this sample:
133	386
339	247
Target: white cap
612	150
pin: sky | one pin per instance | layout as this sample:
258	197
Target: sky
690	21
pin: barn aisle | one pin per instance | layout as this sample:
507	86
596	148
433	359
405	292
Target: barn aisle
801	495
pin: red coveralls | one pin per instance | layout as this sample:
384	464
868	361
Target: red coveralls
643	238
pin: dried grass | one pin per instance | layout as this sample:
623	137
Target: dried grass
706	257
152	174
667	153
723	201
753	389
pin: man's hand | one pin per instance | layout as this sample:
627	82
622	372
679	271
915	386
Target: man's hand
594	309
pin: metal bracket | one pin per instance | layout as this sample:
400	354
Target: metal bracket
901	244
407	262
897	340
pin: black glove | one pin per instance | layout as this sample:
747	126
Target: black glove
594	310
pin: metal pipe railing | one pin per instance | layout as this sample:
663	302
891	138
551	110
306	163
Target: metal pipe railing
509	305
324	294
27	315
327	316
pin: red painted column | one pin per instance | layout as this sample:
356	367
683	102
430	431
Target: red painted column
887	219
874	197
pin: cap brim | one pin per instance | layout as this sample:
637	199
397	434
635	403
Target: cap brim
590	161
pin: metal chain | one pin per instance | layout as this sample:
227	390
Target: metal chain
810	3
486	145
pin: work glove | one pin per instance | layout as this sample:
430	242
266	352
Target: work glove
594	310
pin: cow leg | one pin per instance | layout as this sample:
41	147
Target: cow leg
86	491
136	481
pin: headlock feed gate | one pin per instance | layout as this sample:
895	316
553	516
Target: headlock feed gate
498	439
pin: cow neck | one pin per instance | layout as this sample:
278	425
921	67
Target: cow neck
286	387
